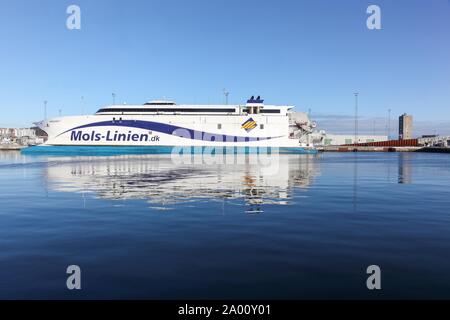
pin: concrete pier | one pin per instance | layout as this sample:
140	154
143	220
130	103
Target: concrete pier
382	149
11	146
435	149
368	149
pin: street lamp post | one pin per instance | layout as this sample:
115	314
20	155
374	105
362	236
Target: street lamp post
45	110
356	116
226	94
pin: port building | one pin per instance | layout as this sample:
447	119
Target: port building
405	127
346	139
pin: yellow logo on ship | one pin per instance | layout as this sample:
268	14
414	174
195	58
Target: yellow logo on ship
249	125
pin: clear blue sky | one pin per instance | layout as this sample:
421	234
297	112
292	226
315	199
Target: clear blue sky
313	54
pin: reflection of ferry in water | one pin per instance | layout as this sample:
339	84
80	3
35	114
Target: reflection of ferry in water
156	179
166	124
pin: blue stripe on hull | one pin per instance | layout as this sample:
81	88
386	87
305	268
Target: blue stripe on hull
171	130
119	150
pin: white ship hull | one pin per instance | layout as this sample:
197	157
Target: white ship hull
164	130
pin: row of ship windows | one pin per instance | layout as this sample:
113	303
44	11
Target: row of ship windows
212	110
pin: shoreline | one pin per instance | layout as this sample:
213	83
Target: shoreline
17	147
383	149
11	147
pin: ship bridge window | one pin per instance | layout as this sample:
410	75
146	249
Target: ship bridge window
270	111
262	110
159	104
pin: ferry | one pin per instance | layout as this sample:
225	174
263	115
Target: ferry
164	124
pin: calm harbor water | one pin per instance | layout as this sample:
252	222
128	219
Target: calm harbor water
144	227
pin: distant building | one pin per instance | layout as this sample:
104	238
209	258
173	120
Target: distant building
427	136
25	133
8	132
405	127
22	136
435	141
